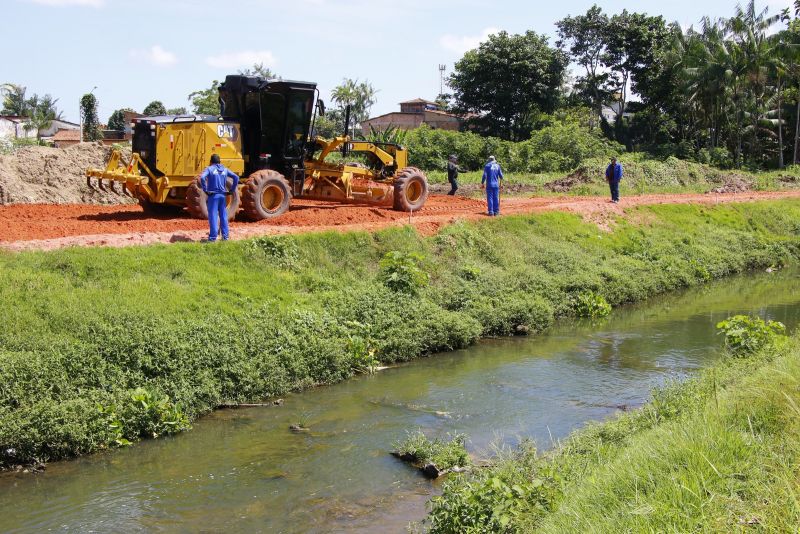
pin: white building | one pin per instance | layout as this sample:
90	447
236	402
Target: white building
14	126
57	125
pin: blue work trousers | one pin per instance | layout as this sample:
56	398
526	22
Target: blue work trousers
493	200
217	216
614	185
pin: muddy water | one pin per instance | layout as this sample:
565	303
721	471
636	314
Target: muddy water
244	471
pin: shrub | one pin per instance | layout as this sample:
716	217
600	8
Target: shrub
283	249
590	304
401	271
554	148
494	499
362	348
745	335
444	454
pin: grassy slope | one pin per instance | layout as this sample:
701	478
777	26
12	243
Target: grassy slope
719	453
205	325
728	463
643	175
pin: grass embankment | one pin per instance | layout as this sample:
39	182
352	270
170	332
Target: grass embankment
643	175
719	453
104	346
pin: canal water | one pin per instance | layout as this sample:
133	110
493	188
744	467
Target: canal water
245	471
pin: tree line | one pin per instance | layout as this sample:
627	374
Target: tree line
727	91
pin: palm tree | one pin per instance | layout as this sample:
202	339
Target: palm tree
44	113
360	96
14	101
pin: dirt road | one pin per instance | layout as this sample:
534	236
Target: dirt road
44	227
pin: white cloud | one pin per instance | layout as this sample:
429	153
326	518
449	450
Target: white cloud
462	43
241	59
60	3
155	55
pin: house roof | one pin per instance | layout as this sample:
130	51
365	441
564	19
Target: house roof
62	121
440	112
393	113
14	118
67	135
419	101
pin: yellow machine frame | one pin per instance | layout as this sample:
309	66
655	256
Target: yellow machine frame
184	146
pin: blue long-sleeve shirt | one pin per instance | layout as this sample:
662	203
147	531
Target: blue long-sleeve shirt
214	178
492	174
614	173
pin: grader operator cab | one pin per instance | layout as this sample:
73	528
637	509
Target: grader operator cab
263	134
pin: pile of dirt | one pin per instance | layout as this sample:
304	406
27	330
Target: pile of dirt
733	183
565	184
54	175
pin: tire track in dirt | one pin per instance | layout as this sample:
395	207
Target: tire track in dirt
48	226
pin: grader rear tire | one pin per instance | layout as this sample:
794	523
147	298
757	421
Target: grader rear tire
266	195
196	201
410	189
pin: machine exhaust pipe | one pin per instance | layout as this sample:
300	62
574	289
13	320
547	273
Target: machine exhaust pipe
345	150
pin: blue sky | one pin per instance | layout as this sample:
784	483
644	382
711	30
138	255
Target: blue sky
135	51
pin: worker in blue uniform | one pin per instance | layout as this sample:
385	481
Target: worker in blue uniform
213	181
492	181
613	176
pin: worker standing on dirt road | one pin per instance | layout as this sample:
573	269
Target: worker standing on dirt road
214	183
613	176
492	181
452	173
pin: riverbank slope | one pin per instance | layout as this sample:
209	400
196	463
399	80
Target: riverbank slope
718	453
106	346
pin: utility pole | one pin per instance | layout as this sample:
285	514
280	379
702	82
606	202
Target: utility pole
442	68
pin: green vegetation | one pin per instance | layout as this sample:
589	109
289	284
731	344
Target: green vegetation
590	304
202	326
745	335
444	454
716	453
724	93
40	111
560	147
643	175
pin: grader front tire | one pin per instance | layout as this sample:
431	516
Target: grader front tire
196	201
410	189
266	195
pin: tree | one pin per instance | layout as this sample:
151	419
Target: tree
44	113
154	108
259	69
506	81
632	43
585	37
206	101
360	96
91	123
117	119
14	100
177	111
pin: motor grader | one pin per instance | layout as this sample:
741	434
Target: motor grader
264	134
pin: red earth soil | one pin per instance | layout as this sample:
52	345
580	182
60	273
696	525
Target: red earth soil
50	226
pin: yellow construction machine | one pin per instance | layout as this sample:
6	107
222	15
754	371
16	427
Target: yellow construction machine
263	133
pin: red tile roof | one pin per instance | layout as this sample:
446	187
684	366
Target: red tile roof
67	135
